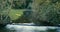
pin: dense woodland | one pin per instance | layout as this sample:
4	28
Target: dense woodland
40	12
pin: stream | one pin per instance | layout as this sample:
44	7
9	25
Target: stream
28	27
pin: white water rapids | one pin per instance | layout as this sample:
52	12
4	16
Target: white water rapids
26	28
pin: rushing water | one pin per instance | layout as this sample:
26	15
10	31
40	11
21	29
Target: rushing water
26	28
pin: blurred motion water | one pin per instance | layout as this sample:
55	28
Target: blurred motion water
25	28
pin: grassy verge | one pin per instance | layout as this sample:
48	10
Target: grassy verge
15	13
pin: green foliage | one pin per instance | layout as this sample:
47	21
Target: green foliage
5	5
24	18
20	4
46	12
15	13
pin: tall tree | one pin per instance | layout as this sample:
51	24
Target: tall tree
5	6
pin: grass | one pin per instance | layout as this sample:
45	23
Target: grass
15	13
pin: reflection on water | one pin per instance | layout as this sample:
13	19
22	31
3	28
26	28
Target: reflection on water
21	28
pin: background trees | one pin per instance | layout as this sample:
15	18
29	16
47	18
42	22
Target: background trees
41	12
45	12
21	4
5	7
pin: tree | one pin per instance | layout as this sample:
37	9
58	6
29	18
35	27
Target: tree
21	4
45	12
5	6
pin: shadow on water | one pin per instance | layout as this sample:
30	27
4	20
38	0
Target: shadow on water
3	29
